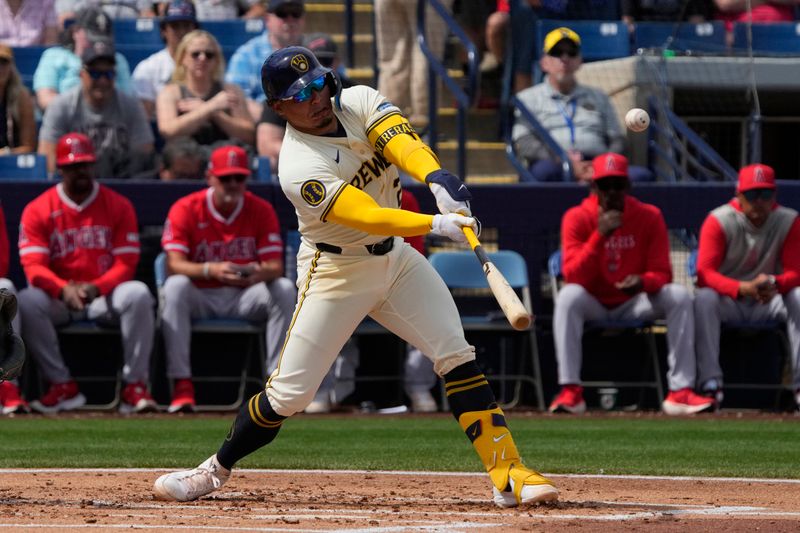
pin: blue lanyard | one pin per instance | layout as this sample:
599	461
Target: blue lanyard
568	118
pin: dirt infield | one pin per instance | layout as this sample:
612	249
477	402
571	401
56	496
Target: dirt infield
261	500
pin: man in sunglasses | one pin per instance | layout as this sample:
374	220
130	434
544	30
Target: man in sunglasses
748	268
615	257
225	259
115	121
284	24
579	118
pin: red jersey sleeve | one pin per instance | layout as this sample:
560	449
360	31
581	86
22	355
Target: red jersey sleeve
125	245
34	248
175	237
269	244
659	270
790	258
581	248
3	246
409	202
710	254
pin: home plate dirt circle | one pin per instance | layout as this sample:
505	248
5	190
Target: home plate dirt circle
359	501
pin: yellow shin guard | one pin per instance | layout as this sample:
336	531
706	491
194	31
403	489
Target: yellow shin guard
492	440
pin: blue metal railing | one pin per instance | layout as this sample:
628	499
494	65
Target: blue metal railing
672	143
436	69
560	155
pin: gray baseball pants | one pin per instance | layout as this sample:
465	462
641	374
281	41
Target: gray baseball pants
712	308
129	306
271	302
575	306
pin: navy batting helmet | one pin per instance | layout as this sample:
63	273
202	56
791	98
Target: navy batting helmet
289	70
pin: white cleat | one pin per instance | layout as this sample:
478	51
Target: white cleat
526	487
189	485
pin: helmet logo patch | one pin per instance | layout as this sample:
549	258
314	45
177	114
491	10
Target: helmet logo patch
313	192
300	63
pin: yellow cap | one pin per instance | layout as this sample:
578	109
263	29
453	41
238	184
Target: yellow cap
6	52
558	35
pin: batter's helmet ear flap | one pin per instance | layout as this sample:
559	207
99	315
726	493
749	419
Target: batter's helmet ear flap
335	85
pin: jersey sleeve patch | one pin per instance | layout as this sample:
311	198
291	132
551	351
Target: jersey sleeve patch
385	105
313	192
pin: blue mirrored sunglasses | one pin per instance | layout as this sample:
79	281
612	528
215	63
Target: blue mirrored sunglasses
305	93
97	74
755	194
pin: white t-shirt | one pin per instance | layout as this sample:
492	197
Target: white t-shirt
152	74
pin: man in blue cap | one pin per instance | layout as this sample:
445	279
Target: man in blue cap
153	73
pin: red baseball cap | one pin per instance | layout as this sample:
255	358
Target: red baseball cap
756	176
608	165
229	160
74	148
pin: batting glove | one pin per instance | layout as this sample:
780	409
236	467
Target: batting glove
450	225
452	196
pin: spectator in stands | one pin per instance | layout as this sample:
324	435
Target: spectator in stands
665	11
403	68
730	11
225	259
152	75
580	119
418	377
59	67
11	401
523	44
748	269
17	124
28	23
229	9
284	21
115	121
182	159
117	9
198	103
271	127
79	246
615	257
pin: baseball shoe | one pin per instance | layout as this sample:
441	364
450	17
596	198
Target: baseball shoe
713	389
11	400
423	402
569	400
525	486
189	485
60	397
182	397
136	399
320	405
686	402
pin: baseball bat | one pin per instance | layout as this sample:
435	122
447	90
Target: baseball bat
512	307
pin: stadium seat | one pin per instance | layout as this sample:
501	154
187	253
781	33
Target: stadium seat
743	329
775	38
599	39
263	170
136	53
233	33
480	312
645	328
256	346
26	59
142	31
23	167
683	37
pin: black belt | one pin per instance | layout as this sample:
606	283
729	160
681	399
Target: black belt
379	248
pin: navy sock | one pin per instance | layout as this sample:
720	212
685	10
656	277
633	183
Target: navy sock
255	426
467	390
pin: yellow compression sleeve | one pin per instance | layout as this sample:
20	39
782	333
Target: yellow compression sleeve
394	137
354	208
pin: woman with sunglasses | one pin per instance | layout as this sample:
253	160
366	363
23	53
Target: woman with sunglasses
198	103
17	124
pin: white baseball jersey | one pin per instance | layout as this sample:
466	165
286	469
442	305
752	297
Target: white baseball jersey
314	169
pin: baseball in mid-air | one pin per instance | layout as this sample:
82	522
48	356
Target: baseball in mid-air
637	119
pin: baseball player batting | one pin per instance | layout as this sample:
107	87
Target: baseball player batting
339	167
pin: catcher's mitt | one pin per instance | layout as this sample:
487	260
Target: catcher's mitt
12	349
